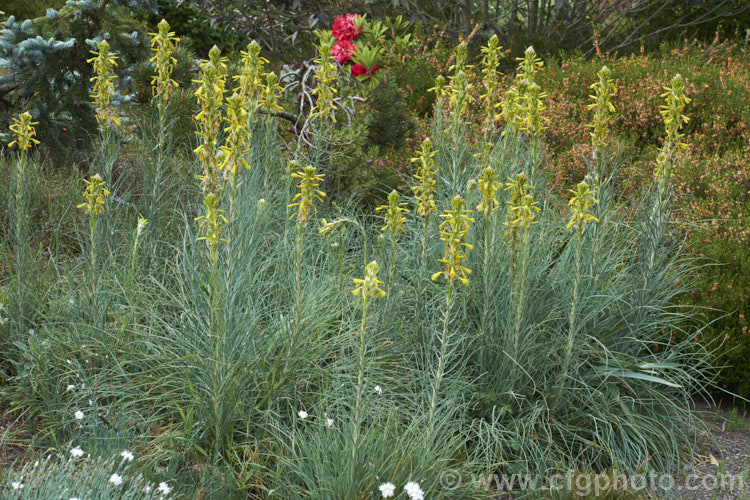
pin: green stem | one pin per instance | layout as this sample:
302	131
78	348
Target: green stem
360	384
441	359
422	270
572	316
21	242
520	304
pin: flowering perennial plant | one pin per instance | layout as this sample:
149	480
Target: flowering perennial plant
426	175
238	136
308	192
94	193
24	132
581	204
104	84
163	44
210	96
672	110
369	286
488	187
521	208
250	80
491	79
394	215
212	222
325	77
453	229
604	90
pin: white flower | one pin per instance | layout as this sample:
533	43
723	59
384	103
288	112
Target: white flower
302	414
414	491
115	479
164	488
90	402
76	452
70	387
329	422
125	454
147	489
16	485
378	389
79	415
387	490
74	498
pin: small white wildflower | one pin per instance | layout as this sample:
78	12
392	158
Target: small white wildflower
115	479
79	415
147	489
72	302
164	488
414	491
70	387
378	389
83	386
302	414
76	452
90	402
387	490
16	485
126	455
74	498
329	422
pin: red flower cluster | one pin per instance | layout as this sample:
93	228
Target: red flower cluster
345	31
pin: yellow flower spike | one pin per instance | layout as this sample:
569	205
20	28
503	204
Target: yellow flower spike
24	132
94	194
163	44
511	111
532	106
394	214
453	229
249	81
369	287
522	208
581	204
210	96
460	56
529	65
604	90
308	192
104	84
491	78
271	93
426	175
461	93
325	77
674	119
237	137
488	187
439	87
142	223
212	222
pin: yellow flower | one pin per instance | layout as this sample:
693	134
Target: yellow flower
325	77
212	222
491	78
237	137
94	194
438	88
308	191
522	208
210	96
23	129
163	45
104	86
249	81
271	93
370	285
426	172
581	203
604	90
394	214
453	229
672	110
488	186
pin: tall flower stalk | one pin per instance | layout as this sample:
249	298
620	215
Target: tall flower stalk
163	45
520	217
453	229
581	205
23	132
304	202
394	226
488	187
94	195
603	108
492	54
367	288
424	192
210	96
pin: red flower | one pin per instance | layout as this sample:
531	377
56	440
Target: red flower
343	51
345	29
358	70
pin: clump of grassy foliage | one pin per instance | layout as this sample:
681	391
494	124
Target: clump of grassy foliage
250	343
